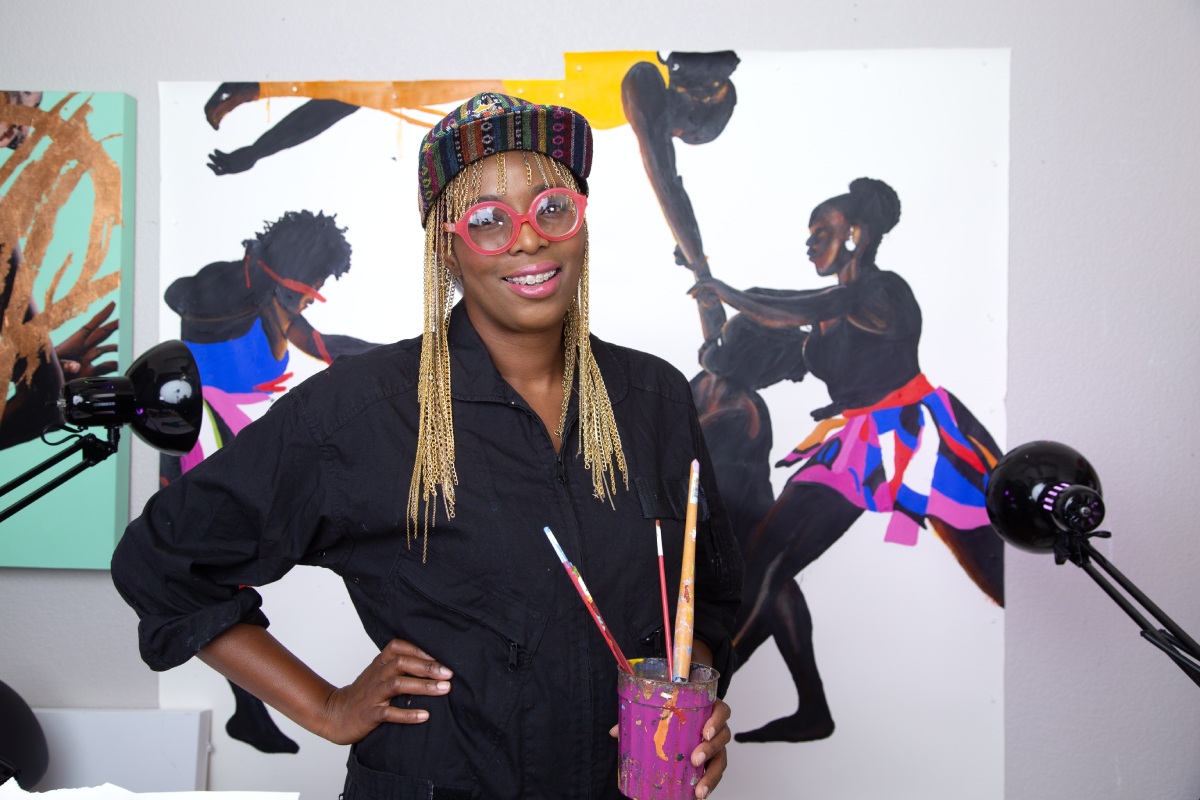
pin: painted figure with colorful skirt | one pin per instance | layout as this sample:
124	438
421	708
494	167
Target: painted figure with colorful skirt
889	442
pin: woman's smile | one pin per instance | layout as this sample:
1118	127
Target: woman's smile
535	281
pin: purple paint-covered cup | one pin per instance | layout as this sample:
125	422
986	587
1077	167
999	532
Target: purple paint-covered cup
659	725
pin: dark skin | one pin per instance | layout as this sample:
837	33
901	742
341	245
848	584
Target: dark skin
780	308
523	335
284	324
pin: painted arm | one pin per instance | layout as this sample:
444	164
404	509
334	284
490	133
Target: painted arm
781	308
306	122
645	99
325	347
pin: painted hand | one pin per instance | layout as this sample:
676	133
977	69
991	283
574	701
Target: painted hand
79	353
711	751
240	160
707	286
400	670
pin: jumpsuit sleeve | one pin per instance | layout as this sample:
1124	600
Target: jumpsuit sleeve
718	570
241	518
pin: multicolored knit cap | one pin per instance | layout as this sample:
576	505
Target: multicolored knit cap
493	123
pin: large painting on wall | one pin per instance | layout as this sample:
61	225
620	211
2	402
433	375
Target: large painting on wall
66	254
818	240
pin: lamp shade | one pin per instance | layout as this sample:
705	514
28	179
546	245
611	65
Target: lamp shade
1039	491
23	750
159	397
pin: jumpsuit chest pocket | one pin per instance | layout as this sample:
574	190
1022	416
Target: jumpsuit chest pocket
666	498
663	500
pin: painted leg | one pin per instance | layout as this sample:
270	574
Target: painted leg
793	637
980	552
802	524
252	724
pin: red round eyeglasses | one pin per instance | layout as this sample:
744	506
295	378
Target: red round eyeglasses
491	227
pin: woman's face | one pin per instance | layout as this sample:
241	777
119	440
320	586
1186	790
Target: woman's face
528	287
828	231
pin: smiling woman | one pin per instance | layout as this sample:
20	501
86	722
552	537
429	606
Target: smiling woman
506	416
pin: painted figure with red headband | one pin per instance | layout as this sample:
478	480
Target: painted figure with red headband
239	317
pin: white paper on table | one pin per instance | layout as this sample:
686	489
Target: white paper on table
11	791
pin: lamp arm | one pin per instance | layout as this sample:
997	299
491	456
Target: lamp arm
94	451
1173	641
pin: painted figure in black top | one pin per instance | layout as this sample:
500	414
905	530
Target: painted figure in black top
862	341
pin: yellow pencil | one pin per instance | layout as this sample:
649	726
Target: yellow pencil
685	608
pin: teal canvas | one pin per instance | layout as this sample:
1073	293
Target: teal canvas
66	257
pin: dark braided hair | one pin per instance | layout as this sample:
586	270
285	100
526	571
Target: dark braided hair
300	246
303	246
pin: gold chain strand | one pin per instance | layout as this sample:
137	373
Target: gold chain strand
537	159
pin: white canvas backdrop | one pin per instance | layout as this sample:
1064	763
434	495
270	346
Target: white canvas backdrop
910	650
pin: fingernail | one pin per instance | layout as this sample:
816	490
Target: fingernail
443	686
702	792
445	672
709	733
422	716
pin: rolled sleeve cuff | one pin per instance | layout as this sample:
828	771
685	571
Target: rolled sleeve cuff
168	641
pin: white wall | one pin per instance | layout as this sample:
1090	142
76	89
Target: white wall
1105	181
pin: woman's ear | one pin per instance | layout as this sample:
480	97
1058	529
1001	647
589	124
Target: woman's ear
452	260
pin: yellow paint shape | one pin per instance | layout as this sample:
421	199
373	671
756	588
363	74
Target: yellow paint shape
591	85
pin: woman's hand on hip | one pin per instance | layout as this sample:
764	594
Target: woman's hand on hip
400	670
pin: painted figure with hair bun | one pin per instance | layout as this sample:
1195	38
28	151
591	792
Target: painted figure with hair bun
889	442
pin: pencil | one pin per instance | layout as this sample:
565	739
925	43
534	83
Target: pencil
685	606
588	601
662	584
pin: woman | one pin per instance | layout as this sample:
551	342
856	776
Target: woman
504	417
862	342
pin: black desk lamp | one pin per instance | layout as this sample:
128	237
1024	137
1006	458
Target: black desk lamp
159	397
1044	497
23	753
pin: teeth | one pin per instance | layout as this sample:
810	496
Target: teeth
532	280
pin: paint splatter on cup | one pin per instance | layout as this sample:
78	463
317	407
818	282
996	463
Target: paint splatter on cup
659	725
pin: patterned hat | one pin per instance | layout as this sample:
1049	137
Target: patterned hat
493	123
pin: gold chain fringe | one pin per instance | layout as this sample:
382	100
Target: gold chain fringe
599	439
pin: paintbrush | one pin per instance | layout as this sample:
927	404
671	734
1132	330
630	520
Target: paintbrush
588	601
685	606
662	584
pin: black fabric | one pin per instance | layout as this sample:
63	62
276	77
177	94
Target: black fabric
873	350
323	479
